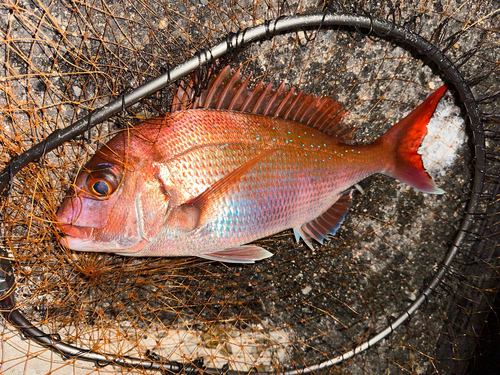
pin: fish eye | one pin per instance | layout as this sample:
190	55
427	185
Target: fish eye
101	187
102	183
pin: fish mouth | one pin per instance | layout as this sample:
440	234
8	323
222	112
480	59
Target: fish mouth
84	233
76	238
74	243
81	239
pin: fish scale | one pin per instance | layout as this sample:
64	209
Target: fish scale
205	181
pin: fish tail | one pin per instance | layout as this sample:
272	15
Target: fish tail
405	138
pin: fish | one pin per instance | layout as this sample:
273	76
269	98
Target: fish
236	165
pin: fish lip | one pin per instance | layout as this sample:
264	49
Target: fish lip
81	239
77	238
76	232
75	243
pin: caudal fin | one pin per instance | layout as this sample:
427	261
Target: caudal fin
404	140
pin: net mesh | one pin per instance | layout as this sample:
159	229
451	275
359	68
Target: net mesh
61	59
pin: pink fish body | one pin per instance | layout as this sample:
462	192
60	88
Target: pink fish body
243	165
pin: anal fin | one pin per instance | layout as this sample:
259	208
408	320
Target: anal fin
299	233
241	254
327	223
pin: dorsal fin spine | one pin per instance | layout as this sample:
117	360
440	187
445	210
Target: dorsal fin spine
233	82
261	100
341	129
302	107
287	114
323	112
253	94
334	119
322	121
311	111
333	123
274	98
284	102
176	101
213	88
239	93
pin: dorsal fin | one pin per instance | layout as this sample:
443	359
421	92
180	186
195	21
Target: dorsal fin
226	91
182	97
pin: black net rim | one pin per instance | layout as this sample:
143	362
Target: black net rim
231	42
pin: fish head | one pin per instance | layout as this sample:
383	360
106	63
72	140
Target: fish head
115	204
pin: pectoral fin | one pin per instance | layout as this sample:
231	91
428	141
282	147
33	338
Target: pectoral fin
185	217
199	210
241	254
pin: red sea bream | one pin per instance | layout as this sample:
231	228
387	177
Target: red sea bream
239	165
